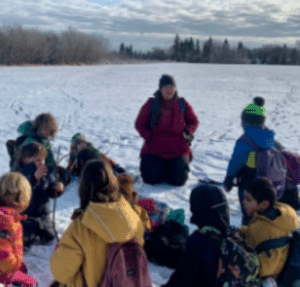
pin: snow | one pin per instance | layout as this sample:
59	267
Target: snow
103	101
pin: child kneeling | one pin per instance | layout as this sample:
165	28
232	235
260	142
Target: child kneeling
15	193
269	219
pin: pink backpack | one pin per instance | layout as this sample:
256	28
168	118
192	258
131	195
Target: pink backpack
293	164
126	265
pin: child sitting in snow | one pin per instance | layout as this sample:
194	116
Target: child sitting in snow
42	129
80	143
198	264
15	193
31	162
267	214
104	217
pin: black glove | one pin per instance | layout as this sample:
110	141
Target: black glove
119	169
189	138
228	183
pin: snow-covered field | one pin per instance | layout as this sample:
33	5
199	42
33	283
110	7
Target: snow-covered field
103	101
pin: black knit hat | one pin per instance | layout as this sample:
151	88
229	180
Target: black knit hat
209	207
166	80
255	113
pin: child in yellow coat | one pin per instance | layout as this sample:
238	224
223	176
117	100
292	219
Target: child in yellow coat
269	219
104	217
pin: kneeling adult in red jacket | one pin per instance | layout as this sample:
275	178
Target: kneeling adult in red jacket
167	124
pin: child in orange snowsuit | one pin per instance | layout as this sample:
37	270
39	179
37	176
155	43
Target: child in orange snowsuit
15	194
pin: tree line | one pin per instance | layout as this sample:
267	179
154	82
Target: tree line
20	46
212	51
23	46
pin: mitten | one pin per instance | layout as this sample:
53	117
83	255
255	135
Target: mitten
119	169
228	183
189	138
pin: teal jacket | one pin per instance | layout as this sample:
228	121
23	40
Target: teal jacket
30	135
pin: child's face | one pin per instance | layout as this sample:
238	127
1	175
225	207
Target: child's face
250	204
38	160
45	132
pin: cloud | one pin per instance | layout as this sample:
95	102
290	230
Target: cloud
156	22
104	2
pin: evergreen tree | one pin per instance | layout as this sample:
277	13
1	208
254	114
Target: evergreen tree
207	50
225	56
197	52
122	49
176	49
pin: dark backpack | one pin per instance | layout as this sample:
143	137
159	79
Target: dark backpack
12	146
154	108
126	265
290	274
270	163
167	243
237	266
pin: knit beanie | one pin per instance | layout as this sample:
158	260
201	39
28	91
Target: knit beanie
126	185
78	138
166	80
255	113
149	204
209	207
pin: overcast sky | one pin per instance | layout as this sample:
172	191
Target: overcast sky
151	23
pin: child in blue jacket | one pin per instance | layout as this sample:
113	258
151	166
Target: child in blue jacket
242	164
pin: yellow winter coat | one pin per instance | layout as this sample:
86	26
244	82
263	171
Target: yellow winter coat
262	228
81	256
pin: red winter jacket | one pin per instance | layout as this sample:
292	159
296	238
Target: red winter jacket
166	140
11	242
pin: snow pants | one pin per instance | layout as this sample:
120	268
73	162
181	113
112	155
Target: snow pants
156	170
41	227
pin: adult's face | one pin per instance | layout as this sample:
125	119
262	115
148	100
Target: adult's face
168	92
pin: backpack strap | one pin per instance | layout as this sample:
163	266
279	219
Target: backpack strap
249	141
154	108
272	244
182	105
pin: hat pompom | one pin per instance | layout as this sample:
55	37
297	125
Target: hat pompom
259	101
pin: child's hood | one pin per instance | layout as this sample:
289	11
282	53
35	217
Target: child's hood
27	129
286	220
9	216
113	222
264	138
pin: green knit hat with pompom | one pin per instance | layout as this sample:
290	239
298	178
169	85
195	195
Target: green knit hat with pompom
255	113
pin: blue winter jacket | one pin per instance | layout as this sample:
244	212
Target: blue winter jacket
264	138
